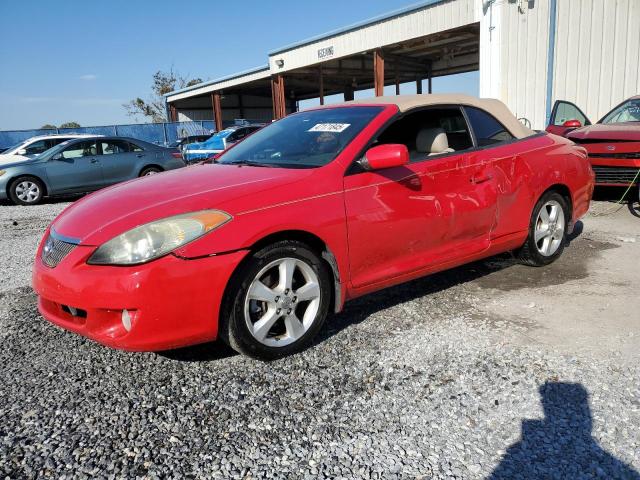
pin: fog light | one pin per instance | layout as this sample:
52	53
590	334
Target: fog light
126	320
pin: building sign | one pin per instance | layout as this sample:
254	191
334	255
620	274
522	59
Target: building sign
325	52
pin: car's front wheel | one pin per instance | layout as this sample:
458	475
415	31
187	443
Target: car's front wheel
277	301
26	191
547	231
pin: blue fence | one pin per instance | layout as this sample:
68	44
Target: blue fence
159	133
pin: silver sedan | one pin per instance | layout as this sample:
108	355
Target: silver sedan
83	165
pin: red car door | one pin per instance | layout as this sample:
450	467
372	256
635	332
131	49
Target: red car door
405	219
565	117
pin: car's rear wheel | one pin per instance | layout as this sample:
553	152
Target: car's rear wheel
149	171
277	301
547	231
26	191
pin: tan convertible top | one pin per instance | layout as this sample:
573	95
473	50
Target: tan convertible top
491	105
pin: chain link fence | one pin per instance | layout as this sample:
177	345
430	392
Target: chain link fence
158	133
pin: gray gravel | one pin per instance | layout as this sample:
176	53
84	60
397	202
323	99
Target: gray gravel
414	382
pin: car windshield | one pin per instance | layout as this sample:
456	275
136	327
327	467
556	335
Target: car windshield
302	140
13	148
629	111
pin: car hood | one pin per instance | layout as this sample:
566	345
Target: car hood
626	132
234	189
11	160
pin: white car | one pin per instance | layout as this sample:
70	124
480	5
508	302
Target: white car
34	146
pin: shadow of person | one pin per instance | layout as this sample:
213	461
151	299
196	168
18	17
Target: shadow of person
560	445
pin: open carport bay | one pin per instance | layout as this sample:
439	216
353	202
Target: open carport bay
482	369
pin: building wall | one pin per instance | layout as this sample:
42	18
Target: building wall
514	42
435	18
596	60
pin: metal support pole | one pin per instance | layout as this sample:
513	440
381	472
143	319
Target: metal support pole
321	87
419	86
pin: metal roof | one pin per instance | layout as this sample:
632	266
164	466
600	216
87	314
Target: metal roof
380	18
218	80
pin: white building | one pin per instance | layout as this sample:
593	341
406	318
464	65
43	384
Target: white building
529	53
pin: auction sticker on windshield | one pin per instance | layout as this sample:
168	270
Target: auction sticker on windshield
329	127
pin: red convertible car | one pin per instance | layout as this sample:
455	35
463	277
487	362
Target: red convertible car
613	144
309	212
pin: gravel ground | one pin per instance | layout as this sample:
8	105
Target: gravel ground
452	376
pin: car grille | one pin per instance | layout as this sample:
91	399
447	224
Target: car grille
624	155
623	175
54	251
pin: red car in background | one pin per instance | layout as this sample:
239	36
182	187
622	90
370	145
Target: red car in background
315	209
613	143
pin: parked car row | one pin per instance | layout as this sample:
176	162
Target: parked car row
218	142
80	164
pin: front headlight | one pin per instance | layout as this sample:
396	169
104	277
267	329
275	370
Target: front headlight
2	172
155	239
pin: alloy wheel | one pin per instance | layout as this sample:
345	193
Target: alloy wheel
282	302
549	228
28	191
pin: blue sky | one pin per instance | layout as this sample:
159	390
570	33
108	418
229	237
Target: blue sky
80	60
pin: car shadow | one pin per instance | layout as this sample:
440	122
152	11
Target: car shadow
49	200
204	352
561	445
358	310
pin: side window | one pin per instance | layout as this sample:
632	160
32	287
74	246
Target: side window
80	149
568	111
36	148
57	141
110	147
429	132
235	136
135	148
487	129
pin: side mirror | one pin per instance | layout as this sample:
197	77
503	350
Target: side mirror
57	156
386	156
22	151
572	124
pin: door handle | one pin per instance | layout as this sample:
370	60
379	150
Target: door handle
140	155
93	160
481	178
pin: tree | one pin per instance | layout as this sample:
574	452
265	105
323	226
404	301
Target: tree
48	126
70	125
154	106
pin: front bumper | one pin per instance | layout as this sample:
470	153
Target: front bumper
171	302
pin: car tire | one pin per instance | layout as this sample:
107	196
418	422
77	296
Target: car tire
547	231
26	190
149	171
290	271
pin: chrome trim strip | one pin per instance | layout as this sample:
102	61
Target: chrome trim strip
63	238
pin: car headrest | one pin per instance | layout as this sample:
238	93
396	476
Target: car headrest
432	140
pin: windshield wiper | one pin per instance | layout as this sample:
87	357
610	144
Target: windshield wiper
250	163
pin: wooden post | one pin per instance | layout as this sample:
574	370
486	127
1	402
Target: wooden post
378	71
173	112
419	86
278	97
321	87
217	109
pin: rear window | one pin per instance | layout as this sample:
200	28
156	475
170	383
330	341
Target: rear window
487	129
